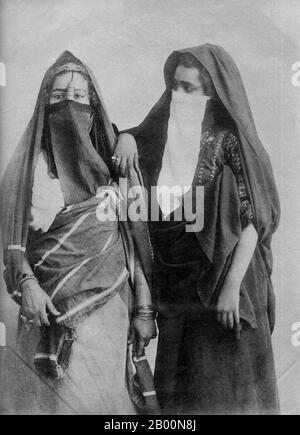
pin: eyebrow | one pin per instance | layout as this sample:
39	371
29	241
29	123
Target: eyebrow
185	83
64	90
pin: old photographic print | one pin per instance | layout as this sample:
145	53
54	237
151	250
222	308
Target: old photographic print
149	210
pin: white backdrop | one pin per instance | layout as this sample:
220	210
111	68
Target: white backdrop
126	42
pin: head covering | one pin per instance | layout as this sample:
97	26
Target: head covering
79	159
232	96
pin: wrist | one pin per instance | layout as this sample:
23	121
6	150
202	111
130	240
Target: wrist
145	312
128	135
231	287
128	139
149	320
233	280
27	278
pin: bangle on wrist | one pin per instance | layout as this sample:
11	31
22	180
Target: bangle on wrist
145	312
146	319
26	277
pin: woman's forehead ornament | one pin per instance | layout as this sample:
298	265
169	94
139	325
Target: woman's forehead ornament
65	68
70	67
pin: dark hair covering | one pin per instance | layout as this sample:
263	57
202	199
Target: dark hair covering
189	61
230	92
16	187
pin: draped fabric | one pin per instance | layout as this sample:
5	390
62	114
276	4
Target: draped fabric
231	108
93	165
184	130
201	368
82	262
79	262
79	164
101	378
257	167
47	197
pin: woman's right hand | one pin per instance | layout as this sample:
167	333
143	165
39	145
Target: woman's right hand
141	333
126	155
36	303
228	306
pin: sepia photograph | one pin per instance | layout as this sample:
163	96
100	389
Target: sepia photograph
150	238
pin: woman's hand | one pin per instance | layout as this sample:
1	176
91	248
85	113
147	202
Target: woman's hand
141	333
228	306
36	303
125	157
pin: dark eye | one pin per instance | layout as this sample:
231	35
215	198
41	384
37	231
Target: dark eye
188	89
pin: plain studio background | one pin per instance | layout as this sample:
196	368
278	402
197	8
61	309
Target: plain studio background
126	42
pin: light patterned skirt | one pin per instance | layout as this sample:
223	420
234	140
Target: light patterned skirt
94	383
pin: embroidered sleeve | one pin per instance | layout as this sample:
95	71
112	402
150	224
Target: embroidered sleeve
232	159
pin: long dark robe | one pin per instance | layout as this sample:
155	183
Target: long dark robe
200	368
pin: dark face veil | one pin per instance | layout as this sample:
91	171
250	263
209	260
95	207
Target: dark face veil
77	154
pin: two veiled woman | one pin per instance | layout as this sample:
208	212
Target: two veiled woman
83	281
215	297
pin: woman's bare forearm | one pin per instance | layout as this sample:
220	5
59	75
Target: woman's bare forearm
142	290
243	255
26	267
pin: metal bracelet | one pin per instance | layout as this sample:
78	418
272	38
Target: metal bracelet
145	308
145	318
27	278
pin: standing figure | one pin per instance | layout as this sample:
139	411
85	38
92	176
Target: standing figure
83	282
215	297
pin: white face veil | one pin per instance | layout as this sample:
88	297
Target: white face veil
182	148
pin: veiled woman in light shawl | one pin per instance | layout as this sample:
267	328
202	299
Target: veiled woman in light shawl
215	297
81	279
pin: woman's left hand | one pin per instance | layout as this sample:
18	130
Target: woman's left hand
141	333
228	307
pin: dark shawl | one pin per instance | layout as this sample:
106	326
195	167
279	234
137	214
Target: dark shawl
222	229
16	188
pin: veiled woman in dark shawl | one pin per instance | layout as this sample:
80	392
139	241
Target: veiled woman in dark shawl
215	296
82	278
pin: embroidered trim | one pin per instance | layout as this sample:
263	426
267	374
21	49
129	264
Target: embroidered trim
207	139
216	155
16	248
149	393
232	158
70	66
48	356
52	358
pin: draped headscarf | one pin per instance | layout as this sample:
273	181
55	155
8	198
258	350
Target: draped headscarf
92	169
230	92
